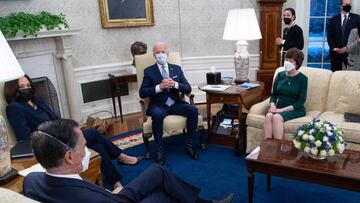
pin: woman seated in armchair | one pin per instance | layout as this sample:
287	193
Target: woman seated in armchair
26	111
288	95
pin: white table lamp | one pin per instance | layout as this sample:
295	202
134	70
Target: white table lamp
10	69
241	25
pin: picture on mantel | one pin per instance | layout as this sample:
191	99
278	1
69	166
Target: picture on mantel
126	13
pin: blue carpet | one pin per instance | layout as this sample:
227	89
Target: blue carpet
219	172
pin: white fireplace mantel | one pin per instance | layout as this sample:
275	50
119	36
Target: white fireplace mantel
46	34
58	44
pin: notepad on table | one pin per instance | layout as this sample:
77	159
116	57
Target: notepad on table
215	87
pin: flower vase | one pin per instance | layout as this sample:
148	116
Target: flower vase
317	157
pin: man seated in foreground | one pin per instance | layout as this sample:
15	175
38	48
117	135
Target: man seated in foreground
59	146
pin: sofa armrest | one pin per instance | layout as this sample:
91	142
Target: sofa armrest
260	108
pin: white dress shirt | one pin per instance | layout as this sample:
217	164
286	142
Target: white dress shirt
157	87
71	176
343	16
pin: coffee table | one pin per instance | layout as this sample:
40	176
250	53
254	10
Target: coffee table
281	158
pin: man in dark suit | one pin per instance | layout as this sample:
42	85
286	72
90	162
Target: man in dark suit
59	146
162	83
338	32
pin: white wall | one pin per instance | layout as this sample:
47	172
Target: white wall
193	28
356	6
194	69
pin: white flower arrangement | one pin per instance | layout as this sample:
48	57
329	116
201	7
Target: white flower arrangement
319	138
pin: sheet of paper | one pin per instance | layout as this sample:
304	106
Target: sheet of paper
254	154
227	121
34	168
215	87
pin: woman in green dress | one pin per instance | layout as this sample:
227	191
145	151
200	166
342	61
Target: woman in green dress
288	95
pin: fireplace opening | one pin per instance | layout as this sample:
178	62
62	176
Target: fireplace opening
45	89
101	89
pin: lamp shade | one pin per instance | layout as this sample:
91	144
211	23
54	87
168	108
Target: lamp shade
10	68
241	24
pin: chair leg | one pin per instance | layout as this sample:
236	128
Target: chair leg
202	138
147	145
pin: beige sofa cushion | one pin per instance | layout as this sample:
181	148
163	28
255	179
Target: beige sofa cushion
291	125
351	130
172	124
327	92
349	101
10	196
318	83
340	87
257	121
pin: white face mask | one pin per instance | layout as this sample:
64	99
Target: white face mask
288	66
161	58
86	160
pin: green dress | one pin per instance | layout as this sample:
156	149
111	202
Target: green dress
290	91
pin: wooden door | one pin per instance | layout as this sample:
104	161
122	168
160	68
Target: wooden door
270	26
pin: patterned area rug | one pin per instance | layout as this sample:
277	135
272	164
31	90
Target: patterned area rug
128	139
134	138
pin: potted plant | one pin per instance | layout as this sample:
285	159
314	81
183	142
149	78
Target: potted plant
319	139
31	24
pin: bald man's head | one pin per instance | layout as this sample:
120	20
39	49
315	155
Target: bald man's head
345	2
160	47
160	53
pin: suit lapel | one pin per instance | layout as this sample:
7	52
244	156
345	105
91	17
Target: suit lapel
339	22
158	71
171	70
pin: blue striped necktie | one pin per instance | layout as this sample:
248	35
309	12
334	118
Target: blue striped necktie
165	74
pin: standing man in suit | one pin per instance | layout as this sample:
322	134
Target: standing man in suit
162	83
59	146
338	32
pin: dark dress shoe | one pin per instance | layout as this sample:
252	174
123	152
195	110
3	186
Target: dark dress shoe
138	160
192	153
228	199
159	159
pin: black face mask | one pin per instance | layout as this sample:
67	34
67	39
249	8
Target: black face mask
25	95
346	8
287	21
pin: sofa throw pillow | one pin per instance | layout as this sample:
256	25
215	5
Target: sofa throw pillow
349	101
